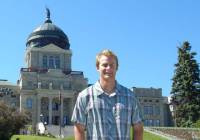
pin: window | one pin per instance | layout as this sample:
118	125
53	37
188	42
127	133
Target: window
29	83
148	122
57	62
157	101
44	61
29	103
148	110
55	106
157	110
145	110
55	120
156	122
65	120
51	62
13	104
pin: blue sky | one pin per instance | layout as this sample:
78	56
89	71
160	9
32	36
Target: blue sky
143	33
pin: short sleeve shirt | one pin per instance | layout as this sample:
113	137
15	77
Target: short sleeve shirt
107	117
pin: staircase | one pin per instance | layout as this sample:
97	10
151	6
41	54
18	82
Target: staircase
65	131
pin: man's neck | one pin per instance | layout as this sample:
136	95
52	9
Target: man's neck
107	86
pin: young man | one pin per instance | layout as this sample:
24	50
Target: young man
107	110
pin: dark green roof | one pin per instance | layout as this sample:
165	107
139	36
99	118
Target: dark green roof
48	33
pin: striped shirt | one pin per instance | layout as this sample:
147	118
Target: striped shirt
107	117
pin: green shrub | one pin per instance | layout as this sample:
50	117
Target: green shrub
196	124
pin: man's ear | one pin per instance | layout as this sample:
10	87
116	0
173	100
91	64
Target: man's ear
97	67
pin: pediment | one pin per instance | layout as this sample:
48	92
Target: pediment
48	48
51	48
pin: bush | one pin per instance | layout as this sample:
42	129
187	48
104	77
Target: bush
196	124
11	121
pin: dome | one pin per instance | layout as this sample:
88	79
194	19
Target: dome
48	33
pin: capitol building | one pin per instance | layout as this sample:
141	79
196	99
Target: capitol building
48	86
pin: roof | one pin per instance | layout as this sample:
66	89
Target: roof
48	33
6	83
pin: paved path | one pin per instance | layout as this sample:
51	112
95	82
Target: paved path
69	131
168	137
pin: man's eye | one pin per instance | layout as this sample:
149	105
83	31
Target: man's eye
105	65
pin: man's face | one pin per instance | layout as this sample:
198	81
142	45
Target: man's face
107	67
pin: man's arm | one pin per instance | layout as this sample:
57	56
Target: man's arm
79	132
138	131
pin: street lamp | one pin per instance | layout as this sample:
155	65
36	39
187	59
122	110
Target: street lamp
41	118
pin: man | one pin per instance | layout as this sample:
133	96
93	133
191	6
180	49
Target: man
107	110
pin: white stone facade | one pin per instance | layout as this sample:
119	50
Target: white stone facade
49	94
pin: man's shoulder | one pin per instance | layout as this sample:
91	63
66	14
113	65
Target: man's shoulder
86	92
124	90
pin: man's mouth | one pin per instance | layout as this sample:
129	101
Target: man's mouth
108	74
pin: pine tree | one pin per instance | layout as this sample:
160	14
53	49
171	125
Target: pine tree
185	93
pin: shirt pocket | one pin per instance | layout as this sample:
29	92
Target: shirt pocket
122	113
94	111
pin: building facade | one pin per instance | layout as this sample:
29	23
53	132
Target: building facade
154	106
47	86
9	93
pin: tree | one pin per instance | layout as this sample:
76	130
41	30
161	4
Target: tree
11	120
185	93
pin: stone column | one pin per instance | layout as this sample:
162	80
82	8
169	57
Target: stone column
71	106
20	102
39	85
61	111
50	110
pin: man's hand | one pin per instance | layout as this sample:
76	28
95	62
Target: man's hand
79	132
138	131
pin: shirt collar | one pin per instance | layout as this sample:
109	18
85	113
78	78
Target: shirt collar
100	91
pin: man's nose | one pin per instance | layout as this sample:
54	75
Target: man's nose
109	67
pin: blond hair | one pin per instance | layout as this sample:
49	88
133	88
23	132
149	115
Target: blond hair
106	53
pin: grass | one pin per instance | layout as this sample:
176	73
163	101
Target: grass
30	137
147	136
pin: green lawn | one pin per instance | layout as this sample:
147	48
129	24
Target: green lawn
147	136
30	137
